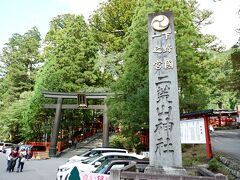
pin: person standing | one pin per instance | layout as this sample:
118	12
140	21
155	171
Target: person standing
28	154
14	157
9	158
75	143
21	160
69	143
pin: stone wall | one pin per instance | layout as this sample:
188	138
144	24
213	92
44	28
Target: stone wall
131	172
233	166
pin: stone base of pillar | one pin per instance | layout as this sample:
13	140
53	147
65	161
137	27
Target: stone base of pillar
166	170
52	152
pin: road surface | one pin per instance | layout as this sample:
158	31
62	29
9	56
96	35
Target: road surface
227	142
46	169
33	169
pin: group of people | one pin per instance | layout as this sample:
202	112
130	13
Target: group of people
16	156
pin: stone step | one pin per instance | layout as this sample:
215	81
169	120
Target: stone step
89	143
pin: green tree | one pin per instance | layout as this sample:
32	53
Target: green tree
19	62
233	78
70	44
130	109
20	58
109	25
110	22
219	70
11	122
69	55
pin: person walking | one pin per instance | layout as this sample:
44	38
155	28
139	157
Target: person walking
69	143
28	152
21	160
9	158
13	158
75	143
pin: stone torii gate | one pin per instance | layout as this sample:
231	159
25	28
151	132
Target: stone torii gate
82	104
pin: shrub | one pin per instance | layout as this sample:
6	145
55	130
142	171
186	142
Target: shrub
214	165
117	141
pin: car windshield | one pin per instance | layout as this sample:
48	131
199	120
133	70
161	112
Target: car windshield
85	154
89	153
8	145
91	159
93	153
103	167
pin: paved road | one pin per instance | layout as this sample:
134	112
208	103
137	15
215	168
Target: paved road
227	141
46	169
33	169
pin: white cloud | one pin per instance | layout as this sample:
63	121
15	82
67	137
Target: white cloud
226	19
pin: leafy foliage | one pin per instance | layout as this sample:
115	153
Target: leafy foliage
12	119
110	22
235	59
69	67
70	46
20	58
130	109
110	52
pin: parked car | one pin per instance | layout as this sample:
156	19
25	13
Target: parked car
92	163
110	164
95	151
103	171
8	150
8	147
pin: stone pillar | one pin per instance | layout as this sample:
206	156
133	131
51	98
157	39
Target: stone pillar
164	117
54	138
105	128
115	174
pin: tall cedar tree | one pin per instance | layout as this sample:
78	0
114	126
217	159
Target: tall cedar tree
69	53
20	61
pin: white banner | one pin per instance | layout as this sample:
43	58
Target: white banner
193	131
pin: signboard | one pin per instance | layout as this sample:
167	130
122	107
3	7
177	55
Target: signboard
94	176
89	176
193	131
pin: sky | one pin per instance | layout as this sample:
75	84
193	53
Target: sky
226	20
18	16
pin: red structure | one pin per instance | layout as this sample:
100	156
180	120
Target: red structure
61	145
217	118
